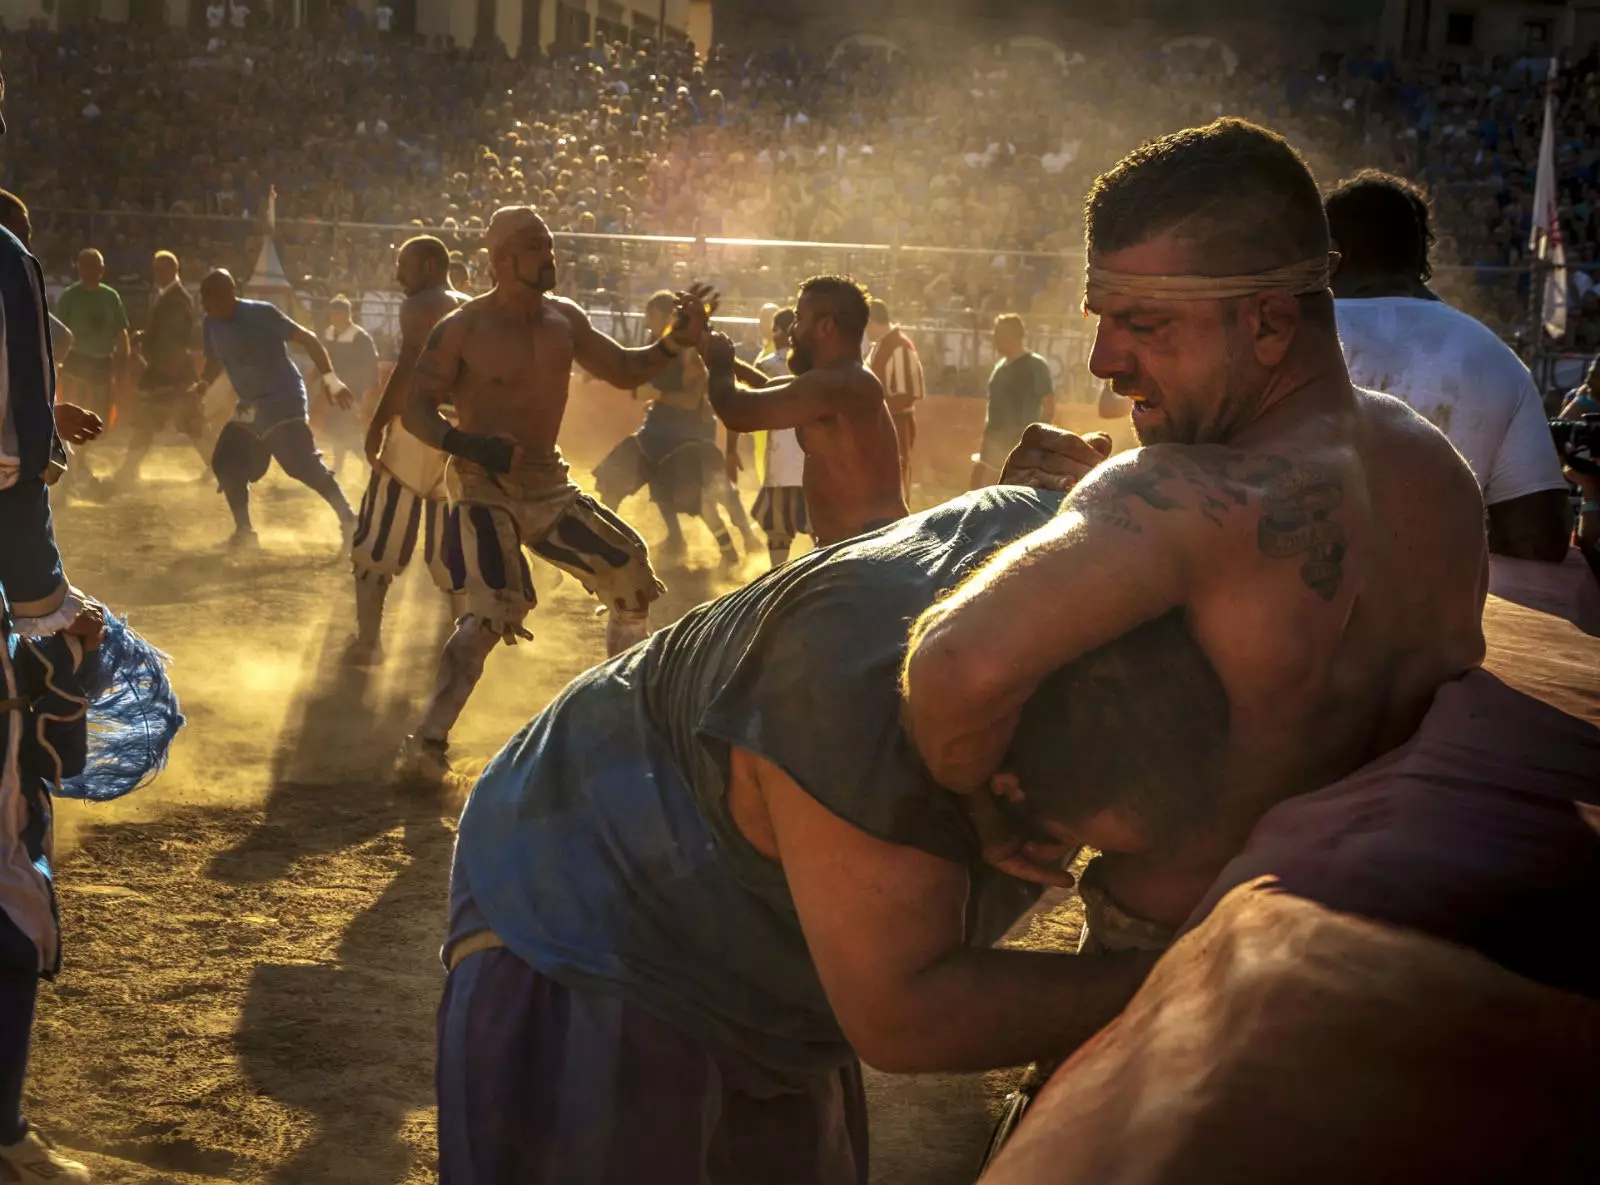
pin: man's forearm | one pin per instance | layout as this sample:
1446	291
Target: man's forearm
744	373
634	367
423	420
728	399
393	399
984	1009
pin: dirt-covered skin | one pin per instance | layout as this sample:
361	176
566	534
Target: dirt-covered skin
250	955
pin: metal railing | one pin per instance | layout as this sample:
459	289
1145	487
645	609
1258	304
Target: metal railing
947	296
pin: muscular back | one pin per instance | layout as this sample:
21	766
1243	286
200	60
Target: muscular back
421	311
852	469
1346	582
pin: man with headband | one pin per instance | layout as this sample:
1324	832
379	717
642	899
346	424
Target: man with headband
1326	544
505	361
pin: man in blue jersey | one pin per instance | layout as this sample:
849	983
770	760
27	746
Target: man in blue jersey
249	339
713	872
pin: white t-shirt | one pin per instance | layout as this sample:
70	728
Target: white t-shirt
383	18
785	462
215	15
1463	379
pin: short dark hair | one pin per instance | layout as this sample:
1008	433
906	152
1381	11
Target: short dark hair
661	302
878	312
1140	724
1014	320
846	302
430	250
1237	191
1381	225
783	319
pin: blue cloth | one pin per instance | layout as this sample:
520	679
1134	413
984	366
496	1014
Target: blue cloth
30	563
252	346
27	401
598	846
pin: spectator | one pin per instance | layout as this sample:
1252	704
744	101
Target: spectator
894	360
1399	338
1021	392
166	393
355	359
93	311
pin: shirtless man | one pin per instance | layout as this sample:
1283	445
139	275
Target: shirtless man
834	403
505	360
1326	544
406	501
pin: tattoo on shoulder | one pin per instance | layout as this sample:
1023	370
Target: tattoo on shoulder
1297	503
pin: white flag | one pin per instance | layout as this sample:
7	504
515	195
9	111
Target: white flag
1545	238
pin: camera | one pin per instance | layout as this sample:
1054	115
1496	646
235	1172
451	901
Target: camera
1578	441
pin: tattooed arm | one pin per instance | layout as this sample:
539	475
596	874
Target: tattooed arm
1138	537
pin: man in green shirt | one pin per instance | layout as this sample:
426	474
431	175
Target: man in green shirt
1021	392
99	324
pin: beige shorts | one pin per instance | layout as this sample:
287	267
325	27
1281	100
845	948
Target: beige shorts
413	464
537	507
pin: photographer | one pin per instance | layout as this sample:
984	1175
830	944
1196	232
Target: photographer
1579	446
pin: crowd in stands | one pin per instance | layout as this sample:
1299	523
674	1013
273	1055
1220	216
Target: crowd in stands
968	148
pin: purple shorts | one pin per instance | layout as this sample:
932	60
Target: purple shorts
538	1082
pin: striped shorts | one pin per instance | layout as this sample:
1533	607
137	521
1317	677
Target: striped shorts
538	508
392	522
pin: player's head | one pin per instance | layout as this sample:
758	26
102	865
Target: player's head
91	266
219	295
878	322
1123	748
1208	257
164	268
522	253
1382	229
830	319
658	312
782	328
1009	335
339	312
422	262
460	274
14	216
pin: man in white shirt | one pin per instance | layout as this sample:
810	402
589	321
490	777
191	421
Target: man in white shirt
1400	338
780	507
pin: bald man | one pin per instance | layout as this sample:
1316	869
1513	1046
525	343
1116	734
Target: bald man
505	361
250	339
406	503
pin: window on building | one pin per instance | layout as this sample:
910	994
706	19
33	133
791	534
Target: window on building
1535	35
572	25
1461	29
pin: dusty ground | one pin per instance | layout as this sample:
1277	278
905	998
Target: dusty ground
251	942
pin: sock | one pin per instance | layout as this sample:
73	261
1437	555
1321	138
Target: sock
624	628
